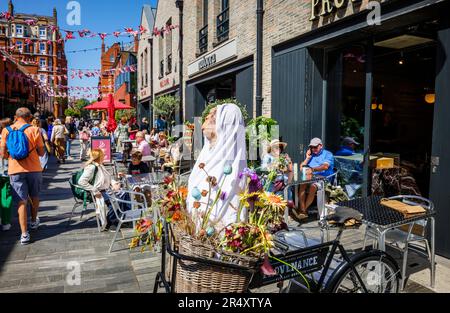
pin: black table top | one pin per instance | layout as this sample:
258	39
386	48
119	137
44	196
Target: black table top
379	215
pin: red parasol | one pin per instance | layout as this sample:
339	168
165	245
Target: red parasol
103	105
112	125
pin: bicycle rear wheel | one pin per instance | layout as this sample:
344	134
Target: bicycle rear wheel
378	273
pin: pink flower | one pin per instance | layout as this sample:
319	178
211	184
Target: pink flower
266	268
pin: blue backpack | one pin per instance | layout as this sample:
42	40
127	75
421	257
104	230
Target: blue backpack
17	143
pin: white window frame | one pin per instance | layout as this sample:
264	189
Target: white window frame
42	33
22	30
19	45
42	51
40	63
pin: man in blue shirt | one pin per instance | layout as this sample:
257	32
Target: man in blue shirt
348	147
319	162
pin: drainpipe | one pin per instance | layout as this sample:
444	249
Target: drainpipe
179	4
259	54
150	41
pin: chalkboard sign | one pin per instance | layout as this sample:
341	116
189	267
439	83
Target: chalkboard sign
103	143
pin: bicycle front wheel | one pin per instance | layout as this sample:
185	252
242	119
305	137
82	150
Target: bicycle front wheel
378	273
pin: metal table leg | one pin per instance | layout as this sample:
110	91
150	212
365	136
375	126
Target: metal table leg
433	256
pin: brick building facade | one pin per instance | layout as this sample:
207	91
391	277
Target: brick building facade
166	50
40	51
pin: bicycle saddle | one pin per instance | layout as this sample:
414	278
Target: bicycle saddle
345	216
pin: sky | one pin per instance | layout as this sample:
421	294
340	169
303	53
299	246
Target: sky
102	16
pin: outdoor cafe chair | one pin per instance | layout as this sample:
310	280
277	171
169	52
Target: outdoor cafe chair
408	237
84	203
138	210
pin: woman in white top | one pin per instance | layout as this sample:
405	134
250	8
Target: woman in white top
96	173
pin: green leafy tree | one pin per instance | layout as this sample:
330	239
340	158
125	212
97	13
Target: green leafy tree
224	101
166	105
125	113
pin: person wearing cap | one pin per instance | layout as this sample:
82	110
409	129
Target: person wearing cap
320	162
348	147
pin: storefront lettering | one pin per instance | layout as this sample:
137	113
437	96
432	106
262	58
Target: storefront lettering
324	7
164	83
207	62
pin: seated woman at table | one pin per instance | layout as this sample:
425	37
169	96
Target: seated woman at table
281	163
163	143
136	166
97	179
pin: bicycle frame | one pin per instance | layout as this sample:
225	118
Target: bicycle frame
323	264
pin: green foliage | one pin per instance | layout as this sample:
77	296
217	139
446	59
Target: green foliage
166	105
261	136
224	101
77	109
125	113
72	112
350	127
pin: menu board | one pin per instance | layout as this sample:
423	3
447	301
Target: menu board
103	143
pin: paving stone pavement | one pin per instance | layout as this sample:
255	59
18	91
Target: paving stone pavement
47	264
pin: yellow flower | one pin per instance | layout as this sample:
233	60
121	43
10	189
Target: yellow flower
273	200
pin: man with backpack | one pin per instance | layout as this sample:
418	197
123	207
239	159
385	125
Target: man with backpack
22	144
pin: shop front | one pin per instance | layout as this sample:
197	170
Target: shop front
234	79
384	85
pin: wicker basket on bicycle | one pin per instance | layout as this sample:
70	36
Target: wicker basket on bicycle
201	277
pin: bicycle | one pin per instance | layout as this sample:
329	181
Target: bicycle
368	271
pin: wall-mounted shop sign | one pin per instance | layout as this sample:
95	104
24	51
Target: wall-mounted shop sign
214	58
325	7
163	83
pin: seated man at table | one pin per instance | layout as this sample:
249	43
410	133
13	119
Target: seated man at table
136	166
142	145
320	162
348	147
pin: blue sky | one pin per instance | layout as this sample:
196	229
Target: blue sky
103	16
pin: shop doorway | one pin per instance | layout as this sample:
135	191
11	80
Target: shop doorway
396	74
403	100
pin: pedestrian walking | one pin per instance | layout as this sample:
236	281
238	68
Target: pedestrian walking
58	138
85	137
22	144
71	135
44	159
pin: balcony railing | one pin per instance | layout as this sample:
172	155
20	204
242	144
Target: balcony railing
203	39
223	25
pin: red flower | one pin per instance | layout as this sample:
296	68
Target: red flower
168	180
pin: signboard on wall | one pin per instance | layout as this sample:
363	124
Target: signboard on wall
214	58
103	143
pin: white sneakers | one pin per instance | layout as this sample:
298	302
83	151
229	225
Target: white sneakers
25	239
35	225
